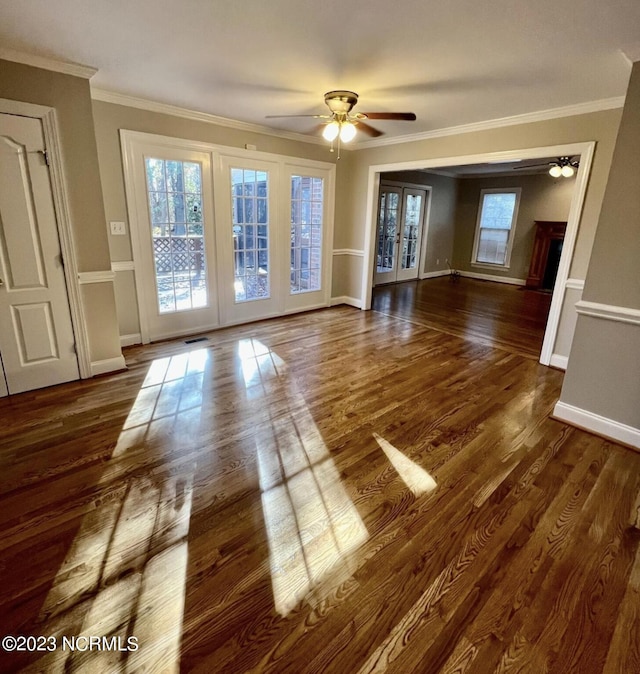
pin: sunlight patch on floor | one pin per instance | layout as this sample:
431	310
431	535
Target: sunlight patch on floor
124	575
414	476
312	525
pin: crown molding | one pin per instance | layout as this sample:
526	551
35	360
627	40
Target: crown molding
526	118
64	67
631	52
126	100
164	108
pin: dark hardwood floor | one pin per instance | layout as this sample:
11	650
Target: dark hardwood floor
339	491
499	314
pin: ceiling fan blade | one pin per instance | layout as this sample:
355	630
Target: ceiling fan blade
403	116
282	116
369	130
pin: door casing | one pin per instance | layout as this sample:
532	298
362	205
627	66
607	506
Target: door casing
222	158
48	117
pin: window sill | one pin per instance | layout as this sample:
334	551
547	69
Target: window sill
488	265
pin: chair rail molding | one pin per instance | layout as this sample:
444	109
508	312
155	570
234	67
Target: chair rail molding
608	312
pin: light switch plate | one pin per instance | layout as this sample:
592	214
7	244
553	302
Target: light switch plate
117	228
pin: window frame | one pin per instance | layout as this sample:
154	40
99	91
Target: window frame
512	230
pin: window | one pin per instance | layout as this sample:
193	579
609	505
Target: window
307	196
495	229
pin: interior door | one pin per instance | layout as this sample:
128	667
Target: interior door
36	335
174	248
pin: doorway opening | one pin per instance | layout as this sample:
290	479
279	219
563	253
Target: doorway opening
478	167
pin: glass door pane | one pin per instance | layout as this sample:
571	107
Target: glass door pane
307	199
413	208
250	222
174	191
388	234
410	232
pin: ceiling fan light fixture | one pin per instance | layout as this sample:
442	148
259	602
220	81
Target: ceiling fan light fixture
347	132
555	171
567	171
331	131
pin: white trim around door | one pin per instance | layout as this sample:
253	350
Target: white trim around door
586	152
63	218
222	207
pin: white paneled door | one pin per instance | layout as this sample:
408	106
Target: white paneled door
37	344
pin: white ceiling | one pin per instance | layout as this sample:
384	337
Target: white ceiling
452	63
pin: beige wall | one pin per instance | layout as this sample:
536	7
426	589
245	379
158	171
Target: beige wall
351	183
542	198
603	374
70	96
110	118
600	127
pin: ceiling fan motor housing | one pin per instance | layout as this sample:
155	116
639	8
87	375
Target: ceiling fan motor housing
340	102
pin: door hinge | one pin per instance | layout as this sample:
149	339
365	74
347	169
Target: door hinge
45	155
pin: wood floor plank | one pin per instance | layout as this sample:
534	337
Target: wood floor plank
249	503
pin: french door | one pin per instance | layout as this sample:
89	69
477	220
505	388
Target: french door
400	224
307	191
250	264
223	236
174	245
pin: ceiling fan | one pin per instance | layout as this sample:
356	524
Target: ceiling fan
342	122
562	166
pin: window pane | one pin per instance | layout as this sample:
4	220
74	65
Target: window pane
249	193
412	206
389	206
497	210
307	196
492	246
178	248
496	222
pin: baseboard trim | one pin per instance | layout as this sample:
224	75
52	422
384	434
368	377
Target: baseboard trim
491	277
435	274
108	365
345	299
594	423
559	361
130	340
